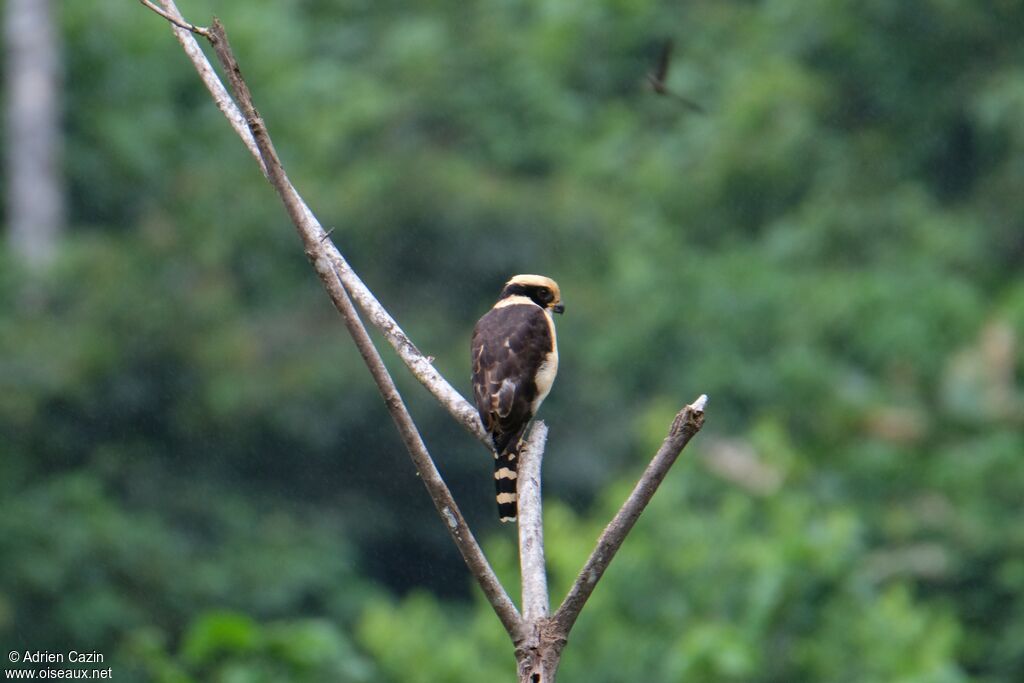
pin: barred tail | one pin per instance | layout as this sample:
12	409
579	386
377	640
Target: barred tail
505	483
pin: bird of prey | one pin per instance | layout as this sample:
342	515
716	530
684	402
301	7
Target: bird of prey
515	359
657	78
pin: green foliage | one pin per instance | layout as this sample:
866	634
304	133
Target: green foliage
196	474
226	646
426	641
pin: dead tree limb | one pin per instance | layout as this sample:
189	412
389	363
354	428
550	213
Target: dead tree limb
686	424
531	525
538	649
183	32
539	638
313	235
439	493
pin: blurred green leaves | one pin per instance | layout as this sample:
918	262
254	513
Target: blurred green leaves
225	647
196	474
713	585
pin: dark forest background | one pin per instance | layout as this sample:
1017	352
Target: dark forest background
198	479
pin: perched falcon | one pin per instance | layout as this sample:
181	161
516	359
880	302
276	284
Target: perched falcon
515	358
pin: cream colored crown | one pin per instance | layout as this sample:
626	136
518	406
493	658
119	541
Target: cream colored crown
537	281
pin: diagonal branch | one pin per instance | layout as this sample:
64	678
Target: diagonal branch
184	31
250	127
438	490
687	423
314	237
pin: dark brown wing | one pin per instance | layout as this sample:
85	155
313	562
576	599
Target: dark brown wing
509	345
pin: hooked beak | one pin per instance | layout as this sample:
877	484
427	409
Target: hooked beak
558	309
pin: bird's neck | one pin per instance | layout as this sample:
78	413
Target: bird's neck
515	300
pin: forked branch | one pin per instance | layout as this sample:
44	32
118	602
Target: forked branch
177	20
539	638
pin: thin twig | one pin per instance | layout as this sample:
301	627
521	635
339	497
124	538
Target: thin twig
687	423
175	18
531	525
418	363
539	646
209	77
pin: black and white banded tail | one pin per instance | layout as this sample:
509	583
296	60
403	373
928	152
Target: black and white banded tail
505	483
515	358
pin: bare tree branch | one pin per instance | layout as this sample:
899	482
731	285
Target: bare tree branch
539	647
539	638
184	31
687	423
249	126
419	365
531	525
313	237
438	490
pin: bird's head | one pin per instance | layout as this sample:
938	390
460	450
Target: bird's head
543	291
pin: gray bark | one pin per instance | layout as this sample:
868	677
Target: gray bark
34	191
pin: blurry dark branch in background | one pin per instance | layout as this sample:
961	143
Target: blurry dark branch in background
313	234
658	79
316	246
687	423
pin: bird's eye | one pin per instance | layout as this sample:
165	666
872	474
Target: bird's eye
544	294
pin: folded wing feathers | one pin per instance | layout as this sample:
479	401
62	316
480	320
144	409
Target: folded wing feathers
503	399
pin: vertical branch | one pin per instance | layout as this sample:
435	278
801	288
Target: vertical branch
531	526
539	638
539	645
